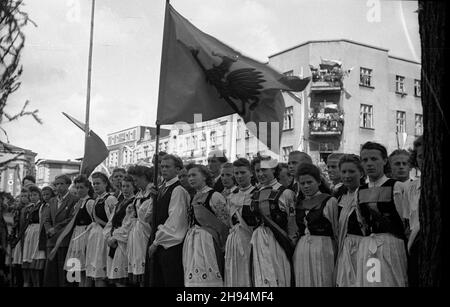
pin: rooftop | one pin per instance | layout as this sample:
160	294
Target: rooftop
44	161
9	148
341	40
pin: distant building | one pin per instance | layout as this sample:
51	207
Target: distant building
358	93
15	164
131	145
47	170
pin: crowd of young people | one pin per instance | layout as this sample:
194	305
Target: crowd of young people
255	223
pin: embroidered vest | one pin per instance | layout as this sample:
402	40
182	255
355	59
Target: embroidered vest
378	209
275	213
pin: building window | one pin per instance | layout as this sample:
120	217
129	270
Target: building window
289	73
366	116
41	173
286	151
417	89
213	137
401	122
418	128
239	129
247	133
365	77
400	84
288	118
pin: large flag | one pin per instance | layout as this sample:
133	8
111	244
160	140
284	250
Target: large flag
95	151
201	75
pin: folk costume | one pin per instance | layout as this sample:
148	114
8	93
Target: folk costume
172	226
315	253
118	228
138	228
33	258
237	248
382	260
96	249
204	245
272	212
351	232
78	232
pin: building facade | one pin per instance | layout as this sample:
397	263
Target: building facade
15	164
131	146
47	170
362	94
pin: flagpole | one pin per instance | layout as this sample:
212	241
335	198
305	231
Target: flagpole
88	94
151	267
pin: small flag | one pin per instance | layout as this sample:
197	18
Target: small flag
95	151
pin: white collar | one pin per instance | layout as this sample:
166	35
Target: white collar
171	181
246	189
205	189
379	182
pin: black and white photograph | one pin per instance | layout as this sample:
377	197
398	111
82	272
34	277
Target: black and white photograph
229	147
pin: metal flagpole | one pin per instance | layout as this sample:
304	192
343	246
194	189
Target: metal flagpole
88	94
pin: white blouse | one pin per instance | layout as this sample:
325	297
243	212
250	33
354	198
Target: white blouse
173	231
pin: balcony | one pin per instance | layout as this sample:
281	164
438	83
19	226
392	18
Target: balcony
326	124
326	81
328	76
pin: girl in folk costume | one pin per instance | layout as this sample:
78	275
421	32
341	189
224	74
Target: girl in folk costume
381	259
272	211
33	258
204	245
137	220
237	248
228	181
350	221
79	224
18	231
116	234
412	198
96	250
317	220
47	194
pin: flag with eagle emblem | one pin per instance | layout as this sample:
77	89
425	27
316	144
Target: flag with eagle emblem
201	75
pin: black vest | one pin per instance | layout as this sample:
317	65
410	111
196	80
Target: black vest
163	202
218	186
383	218
83	217
251	214
119	213
318	224
34	215
234	219
99	209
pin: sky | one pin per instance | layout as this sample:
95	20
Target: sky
127	54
